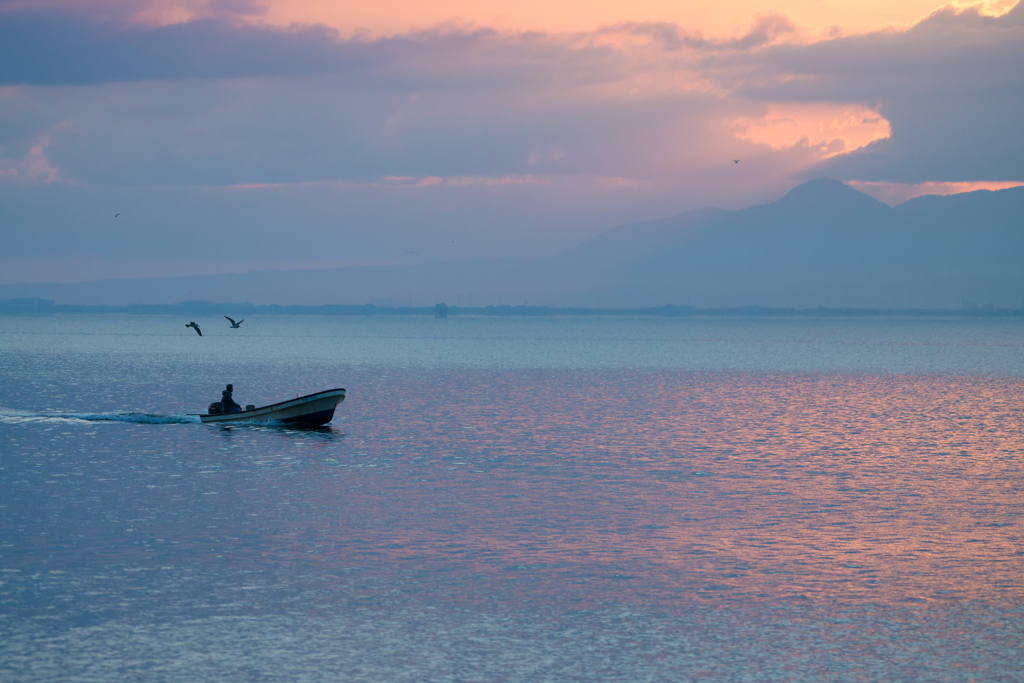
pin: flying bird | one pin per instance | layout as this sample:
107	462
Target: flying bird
116	215
735	161
235	325
196	327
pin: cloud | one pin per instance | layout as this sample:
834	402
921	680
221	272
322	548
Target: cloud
408	181
214	101
40	49
446	104
65	48
459	131
826	127
951	88
767	29
143	12
34	166
209	102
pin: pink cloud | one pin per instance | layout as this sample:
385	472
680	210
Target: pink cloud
897	193
35	166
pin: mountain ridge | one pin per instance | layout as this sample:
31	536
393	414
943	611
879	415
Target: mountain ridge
821	244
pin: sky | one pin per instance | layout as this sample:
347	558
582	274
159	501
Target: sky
162	137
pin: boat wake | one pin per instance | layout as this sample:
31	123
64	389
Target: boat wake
19	416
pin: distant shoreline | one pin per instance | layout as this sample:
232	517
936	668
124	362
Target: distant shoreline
47	307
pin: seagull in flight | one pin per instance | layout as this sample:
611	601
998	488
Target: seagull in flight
193	325
235	325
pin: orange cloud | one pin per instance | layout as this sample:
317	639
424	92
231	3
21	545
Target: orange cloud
828	128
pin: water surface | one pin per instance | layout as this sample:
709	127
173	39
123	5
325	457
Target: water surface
555	499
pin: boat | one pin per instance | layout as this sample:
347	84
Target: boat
314	409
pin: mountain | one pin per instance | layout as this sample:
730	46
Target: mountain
814	246
822	244
968	245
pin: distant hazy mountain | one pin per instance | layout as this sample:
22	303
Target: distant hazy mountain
823	244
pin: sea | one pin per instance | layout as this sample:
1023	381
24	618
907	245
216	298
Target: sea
514	499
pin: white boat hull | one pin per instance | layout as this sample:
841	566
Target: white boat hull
311	410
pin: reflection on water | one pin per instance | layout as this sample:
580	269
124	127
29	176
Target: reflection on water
671	487
845	526
325	432
581	489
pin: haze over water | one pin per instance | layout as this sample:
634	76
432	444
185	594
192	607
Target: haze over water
515	499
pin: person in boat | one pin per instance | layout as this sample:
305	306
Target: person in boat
227	404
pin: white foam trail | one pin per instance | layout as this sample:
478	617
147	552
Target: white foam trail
16	416
140	418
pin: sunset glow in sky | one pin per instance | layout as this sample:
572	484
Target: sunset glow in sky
723	19
720	19
401	131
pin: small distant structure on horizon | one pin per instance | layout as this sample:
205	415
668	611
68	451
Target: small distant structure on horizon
441	310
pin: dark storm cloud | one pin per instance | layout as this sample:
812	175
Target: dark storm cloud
951	87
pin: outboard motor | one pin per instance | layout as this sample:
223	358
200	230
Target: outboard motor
213	408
